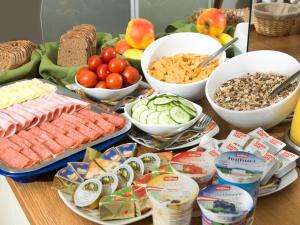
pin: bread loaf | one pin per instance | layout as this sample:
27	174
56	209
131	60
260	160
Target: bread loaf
77	45
14	54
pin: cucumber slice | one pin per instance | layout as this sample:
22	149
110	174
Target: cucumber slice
179	115
187	104
164	118
151	105
164	107
153	118
144	115
139	103
137	112
189	111
173	97
162	100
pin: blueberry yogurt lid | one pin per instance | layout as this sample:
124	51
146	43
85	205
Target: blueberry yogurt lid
240	166
224	204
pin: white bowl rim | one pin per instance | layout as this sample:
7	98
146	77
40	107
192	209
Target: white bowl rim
156	42
198	107
107	89
253	110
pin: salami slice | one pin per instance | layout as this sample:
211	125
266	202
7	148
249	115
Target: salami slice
59	137
41	133
118	121
23	143
6	143
14	159
30	136
31	155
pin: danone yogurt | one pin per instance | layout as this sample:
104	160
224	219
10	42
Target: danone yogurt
224	205
172	196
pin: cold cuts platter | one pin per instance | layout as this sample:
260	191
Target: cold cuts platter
42	124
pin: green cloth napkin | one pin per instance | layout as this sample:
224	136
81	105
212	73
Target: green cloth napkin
28	70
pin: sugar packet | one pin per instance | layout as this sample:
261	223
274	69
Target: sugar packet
287	162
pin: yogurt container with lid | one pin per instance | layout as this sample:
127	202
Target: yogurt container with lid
172	196
88	193
195	164
137	165
224	204
125	175
238	166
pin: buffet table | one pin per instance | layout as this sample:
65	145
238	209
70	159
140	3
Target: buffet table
42	205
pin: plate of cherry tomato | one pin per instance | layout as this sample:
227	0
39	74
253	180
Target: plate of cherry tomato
107	76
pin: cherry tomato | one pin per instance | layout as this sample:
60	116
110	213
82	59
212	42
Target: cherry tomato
116	65
94	61
121	46
101	84
107	54
102	71
87	78
127	62
81	70
114	81
131	75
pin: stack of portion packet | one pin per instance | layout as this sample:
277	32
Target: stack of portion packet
77	45
14	54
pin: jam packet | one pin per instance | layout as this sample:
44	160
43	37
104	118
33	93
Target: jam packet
257	147
287	162
272	165
229	147
274	144
238	138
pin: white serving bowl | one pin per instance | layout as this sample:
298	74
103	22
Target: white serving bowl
252	62
111	94
161	130
185	42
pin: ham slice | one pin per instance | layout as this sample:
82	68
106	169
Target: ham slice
23	143
31	155
29	108
21	119
32	118
14	159
8	127
19	126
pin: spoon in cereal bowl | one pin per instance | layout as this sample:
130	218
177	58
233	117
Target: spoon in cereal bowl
284	84
218	52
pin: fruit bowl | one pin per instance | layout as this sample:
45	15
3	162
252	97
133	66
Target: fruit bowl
264	61
186	42
162	129
111	94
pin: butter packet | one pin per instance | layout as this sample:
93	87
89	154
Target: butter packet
274	144
287	162
80	168
238	138
257	147
229	147
91	154
272	165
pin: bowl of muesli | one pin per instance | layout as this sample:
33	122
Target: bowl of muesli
238	90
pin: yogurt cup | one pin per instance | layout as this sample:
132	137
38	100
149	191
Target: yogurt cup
244	170
224	204
197	165
172	197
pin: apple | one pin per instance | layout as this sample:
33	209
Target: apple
139	33
211	22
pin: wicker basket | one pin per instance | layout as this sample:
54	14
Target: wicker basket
274	19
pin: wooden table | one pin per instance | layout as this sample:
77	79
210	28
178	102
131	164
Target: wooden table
42	205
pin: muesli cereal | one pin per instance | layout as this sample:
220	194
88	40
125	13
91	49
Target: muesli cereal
251	92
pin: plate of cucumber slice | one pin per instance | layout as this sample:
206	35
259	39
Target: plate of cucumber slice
163	114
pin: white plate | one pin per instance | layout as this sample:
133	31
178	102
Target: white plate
93	215
286	180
